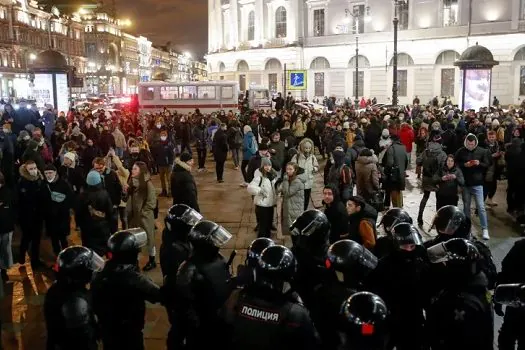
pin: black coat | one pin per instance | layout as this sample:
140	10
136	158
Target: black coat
31	197
93	214
162	153
7	210
88	155
220	145
112	185
183	187
475	175
56	213
75	177
338	217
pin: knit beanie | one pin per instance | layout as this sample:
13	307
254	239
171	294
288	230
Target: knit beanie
93	178
71	156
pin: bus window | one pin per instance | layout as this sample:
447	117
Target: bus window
148	93
169	93
260	94
227	92
189	92
206	92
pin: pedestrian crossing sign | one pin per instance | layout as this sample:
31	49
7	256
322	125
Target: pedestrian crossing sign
296	80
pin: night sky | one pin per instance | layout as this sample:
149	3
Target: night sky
183	22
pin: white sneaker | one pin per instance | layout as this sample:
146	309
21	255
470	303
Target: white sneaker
485	234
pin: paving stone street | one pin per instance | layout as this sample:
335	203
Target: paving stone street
228	204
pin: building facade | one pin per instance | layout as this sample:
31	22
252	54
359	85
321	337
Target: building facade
26	30
251	41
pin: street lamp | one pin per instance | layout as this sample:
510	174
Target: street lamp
394	59
355	15
32	56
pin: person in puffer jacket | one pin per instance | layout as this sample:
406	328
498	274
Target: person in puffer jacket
306	159
262	187
448	180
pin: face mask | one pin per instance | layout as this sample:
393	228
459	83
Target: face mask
33	172
26	138
159	126
5	131
50	178
163	138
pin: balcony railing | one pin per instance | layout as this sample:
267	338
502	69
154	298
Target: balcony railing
275	42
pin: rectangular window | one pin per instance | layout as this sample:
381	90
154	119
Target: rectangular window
402	83
358	19
148	93
188	92
242	82
403	15
227	92
319	84
522	9
361	84
522	81
169	93
206	92
221	77
447	81
319	22
251	26
450	13
272	82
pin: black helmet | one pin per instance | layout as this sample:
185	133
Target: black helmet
124	246
312	226
452	222
365	321
181	217
454	250
512	295
276	266
406	237
255	249
207	236
77	264
351	261
393	217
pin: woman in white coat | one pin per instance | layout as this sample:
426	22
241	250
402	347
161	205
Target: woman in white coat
262	188
306	159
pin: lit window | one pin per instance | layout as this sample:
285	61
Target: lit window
319	22
169	92
522	81
280	22
189	92
450	13
148	93
206	92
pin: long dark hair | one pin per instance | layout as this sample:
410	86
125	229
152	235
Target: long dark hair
142	178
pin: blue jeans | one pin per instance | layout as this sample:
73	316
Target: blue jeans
119	152
235	156
477	192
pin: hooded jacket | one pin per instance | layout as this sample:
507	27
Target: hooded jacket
337	216
432	159
448	188
362	226
183	187
249	147
367	176
30	196
262	187
474	175
307	162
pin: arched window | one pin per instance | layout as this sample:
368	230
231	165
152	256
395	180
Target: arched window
320	63
520	55
273	64
251	26
280	22
242	66
403	60
361	60
222	67
447	57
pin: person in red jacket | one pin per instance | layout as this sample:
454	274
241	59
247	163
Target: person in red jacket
407	137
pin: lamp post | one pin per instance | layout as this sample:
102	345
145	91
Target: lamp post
356	101
394	59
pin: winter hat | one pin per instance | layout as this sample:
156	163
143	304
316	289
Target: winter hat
24	135
265	161
339	157
366	153
50	167
488	120
93	178
495	123
185	156
346	125
71	156
435	135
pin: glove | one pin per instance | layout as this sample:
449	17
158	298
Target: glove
498	309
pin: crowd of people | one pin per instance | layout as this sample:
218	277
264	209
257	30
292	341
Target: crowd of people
96	167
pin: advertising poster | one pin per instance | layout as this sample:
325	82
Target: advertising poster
62	93
477	89
43	90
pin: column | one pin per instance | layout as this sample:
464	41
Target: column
218	24
259	21
291	20
234	23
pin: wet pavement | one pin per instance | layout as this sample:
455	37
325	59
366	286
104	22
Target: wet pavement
226	203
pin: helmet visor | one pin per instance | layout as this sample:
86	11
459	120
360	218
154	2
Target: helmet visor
438	253
220	237
408	242
510	295
191	217
140	235
308	230
97	262
447	226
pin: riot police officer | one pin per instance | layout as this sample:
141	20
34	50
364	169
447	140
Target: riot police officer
398	280
460	315
392	217
201	288
175	248
310	241
512	271
364	322
246	273
265	315
120	292
68	311
349	265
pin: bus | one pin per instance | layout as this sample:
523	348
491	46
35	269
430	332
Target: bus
207	96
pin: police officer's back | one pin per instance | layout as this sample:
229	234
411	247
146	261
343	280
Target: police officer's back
175	247
385	244
202	285
120	292
246	273
460	315
68	310
266	314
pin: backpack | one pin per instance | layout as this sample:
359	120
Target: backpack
238	138
486	264
341	177
430	164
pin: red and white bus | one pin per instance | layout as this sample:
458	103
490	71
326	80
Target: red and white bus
207	96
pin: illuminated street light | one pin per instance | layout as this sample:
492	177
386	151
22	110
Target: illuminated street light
82	11
32	56
187	54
